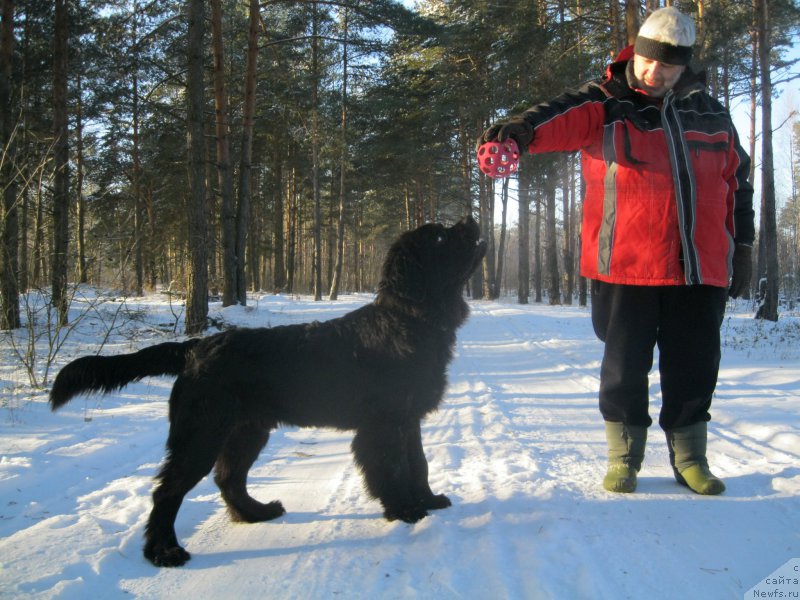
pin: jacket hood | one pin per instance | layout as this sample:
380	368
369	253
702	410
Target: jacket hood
615	81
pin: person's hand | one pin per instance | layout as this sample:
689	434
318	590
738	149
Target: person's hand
489	135
742	270
517	128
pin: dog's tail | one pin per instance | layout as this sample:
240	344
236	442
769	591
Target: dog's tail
104	374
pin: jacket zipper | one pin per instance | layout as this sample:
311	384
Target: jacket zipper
684	185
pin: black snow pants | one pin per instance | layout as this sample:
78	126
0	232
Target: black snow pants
684	321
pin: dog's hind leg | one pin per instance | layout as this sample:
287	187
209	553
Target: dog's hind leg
190	457
418	466
240	451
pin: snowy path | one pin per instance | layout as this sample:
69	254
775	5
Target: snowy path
518	446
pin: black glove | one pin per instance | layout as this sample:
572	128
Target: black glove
742	270
517	128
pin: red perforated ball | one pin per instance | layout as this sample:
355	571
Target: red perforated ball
498	159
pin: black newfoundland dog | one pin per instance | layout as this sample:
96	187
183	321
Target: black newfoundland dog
377	370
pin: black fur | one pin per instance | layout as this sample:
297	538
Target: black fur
377	370
108	373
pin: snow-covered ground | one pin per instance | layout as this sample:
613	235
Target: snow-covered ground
517	445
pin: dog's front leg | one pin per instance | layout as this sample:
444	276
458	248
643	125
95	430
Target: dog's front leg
383	451
418	464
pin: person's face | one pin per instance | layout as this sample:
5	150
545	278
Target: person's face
655	77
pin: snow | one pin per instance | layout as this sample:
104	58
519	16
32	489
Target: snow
517	445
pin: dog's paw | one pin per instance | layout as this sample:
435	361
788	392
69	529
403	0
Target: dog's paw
437	502
256	512
173	556
407	514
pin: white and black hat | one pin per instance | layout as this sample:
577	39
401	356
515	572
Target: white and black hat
666	36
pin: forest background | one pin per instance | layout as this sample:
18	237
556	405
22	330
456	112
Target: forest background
209	149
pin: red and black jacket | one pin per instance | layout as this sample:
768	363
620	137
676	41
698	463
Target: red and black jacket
667	196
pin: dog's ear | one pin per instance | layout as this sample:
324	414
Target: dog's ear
403	275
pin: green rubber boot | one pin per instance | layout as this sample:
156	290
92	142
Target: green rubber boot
687	455
625	455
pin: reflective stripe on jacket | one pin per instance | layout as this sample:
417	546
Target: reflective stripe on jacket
667	195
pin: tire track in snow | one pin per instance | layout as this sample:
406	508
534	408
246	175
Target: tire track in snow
547	402
484	447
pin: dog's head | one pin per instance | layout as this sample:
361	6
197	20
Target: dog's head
431	264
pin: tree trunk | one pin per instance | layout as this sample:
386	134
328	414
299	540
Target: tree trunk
632	8
337	271
537	249
501	250
80	202
467	170
524	269
487	224
279	247
317	255
39	250
225	177
291	252
245	174
614	24
760	268
9	210
152	268
795	203
60	297
768	308
568	193
136	187
197	293
551	243
26	218
753	99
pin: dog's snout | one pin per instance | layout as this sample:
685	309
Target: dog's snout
469	227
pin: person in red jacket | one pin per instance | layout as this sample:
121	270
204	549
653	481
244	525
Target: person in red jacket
667	235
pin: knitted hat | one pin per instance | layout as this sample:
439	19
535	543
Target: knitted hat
666	36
